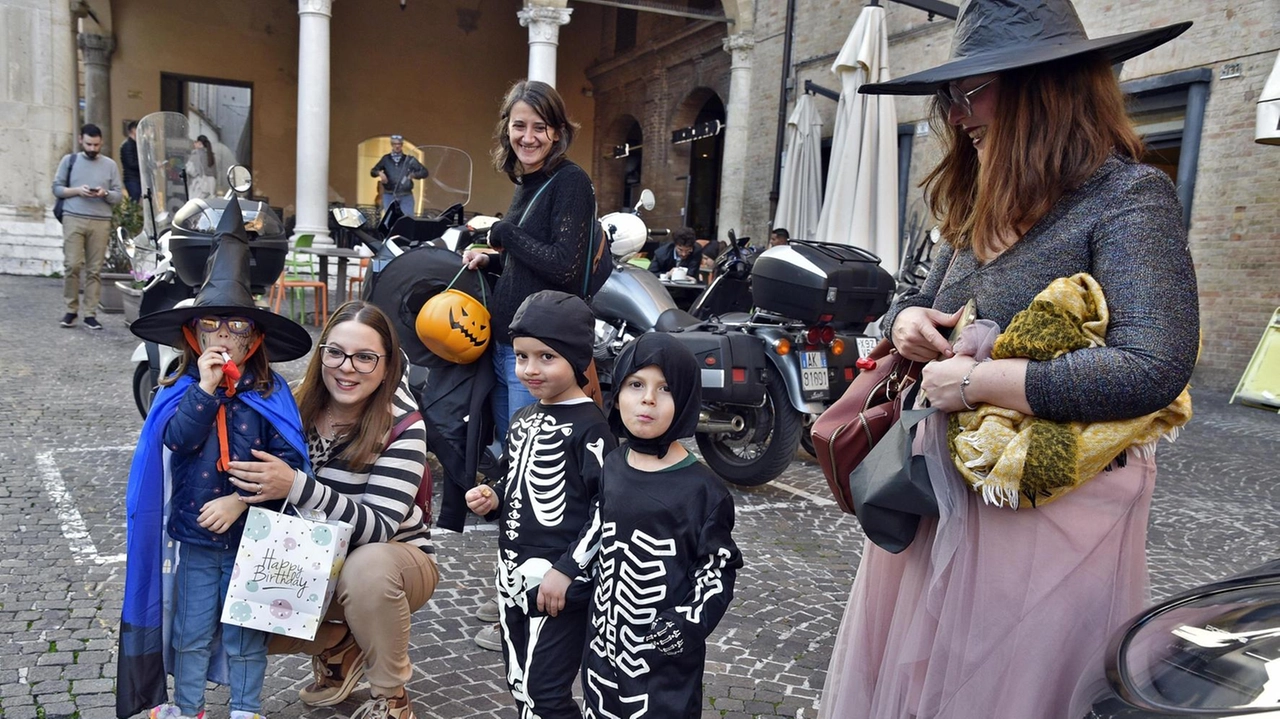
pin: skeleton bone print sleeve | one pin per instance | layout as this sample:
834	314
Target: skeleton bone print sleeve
713	577
598	441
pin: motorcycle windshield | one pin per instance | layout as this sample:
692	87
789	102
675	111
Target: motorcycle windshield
1217	652
449	180
163	147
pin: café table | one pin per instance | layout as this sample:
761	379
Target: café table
684	292
343	255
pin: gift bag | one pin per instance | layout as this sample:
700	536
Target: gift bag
285	573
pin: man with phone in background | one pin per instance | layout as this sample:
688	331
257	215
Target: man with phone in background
89	186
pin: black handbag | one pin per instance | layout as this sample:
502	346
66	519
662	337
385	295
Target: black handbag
891	489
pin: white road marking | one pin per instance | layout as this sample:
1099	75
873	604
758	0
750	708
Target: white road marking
440	534
745	508
820	501
73	527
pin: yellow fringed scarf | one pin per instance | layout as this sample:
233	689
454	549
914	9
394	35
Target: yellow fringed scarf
1006	455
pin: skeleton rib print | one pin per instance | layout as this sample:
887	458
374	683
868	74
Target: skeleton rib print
538	444
633	584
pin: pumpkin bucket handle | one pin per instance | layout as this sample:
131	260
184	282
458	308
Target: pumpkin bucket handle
455	279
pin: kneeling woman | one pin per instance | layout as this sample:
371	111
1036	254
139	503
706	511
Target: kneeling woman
354	392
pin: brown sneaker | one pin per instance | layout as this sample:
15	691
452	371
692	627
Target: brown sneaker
337	672
385	708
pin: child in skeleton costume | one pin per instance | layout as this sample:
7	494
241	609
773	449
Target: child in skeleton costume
554	454
666	561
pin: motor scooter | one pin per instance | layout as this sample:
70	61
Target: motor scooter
763	371
178	235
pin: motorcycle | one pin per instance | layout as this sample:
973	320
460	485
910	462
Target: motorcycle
178	235
1213	650
763	371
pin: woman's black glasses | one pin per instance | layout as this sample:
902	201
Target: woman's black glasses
362	362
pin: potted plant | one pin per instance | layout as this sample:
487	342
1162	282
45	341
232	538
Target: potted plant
117	268
131	293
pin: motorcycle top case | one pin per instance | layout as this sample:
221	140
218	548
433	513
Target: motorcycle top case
806	280
193	230
732	365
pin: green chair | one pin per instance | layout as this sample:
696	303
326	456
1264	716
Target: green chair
297	278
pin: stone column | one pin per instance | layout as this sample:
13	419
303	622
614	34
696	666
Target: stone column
311	199
733	165
544	37
96	50
37	115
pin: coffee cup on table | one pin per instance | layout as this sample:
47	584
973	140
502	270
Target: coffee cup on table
679	273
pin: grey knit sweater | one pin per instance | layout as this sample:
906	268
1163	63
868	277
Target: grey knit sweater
1124	227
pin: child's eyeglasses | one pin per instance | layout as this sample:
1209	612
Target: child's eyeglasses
362	362
235	325
950	95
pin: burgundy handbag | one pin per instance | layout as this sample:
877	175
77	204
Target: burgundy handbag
848	429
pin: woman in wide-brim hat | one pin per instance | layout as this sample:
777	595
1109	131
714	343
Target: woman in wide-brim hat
996	612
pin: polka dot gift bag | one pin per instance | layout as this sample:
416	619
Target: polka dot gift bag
285	572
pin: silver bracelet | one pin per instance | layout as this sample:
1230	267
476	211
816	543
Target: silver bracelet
965	383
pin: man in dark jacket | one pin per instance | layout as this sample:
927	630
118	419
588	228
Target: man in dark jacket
681	251
396	172
130	175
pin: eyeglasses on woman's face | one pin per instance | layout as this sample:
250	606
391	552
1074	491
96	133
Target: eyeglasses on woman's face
235	325
363	362
950	94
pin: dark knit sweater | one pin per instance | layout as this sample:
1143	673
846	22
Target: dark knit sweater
1124	227
545	248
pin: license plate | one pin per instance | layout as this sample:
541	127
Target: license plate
866	344
813	371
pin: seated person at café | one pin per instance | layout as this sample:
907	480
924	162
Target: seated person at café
682	251
779	237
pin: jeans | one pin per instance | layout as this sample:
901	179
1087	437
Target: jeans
508	394
198	588
406	202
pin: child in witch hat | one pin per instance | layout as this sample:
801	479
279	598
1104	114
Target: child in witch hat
222	402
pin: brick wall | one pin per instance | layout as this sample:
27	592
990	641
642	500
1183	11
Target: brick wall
1235	231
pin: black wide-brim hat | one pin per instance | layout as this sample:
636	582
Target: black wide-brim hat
993	36
226	292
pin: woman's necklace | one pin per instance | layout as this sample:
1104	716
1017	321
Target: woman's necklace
333	426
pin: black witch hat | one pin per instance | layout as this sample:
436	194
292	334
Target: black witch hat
226	292
997	35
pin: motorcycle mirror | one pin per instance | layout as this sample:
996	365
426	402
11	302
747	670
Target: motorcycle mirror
646	200
1216	652
348	217
239	178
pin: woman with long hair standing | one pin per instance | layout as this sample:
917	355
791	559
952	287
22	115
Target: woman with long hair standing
995	612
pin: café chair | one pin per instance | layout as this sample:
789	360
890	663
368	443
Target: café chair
297	278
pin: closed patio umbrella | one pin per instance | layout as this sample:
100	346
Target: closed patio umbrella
800	187
860	207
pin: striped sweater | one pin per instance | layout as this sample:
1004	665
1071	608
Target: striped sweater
378	502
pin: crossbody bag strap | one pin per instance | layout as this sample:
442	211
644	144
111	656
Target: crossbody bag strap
534	201
70	166
591	248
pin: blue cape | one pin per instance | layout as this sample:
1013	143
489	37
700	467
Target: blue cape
144	625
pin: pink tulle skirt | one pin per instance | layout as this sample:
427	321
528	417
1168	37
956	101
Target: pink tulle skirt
993	613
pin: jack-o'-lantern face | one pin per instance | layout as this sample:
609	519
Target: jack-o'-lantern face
453	325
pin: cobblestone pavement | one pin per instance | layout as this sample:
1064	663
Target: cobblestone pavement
67	430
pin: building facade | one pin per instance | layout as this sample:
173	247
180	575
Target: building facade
685	97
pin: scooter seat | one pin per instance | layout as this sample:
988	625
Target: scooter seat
675	319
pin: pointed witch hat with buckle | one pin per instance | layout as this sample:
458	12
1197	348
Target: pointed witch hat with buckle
997	35
226	292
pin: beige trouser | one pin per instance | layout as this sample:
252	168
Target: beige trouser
84	246
379	589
